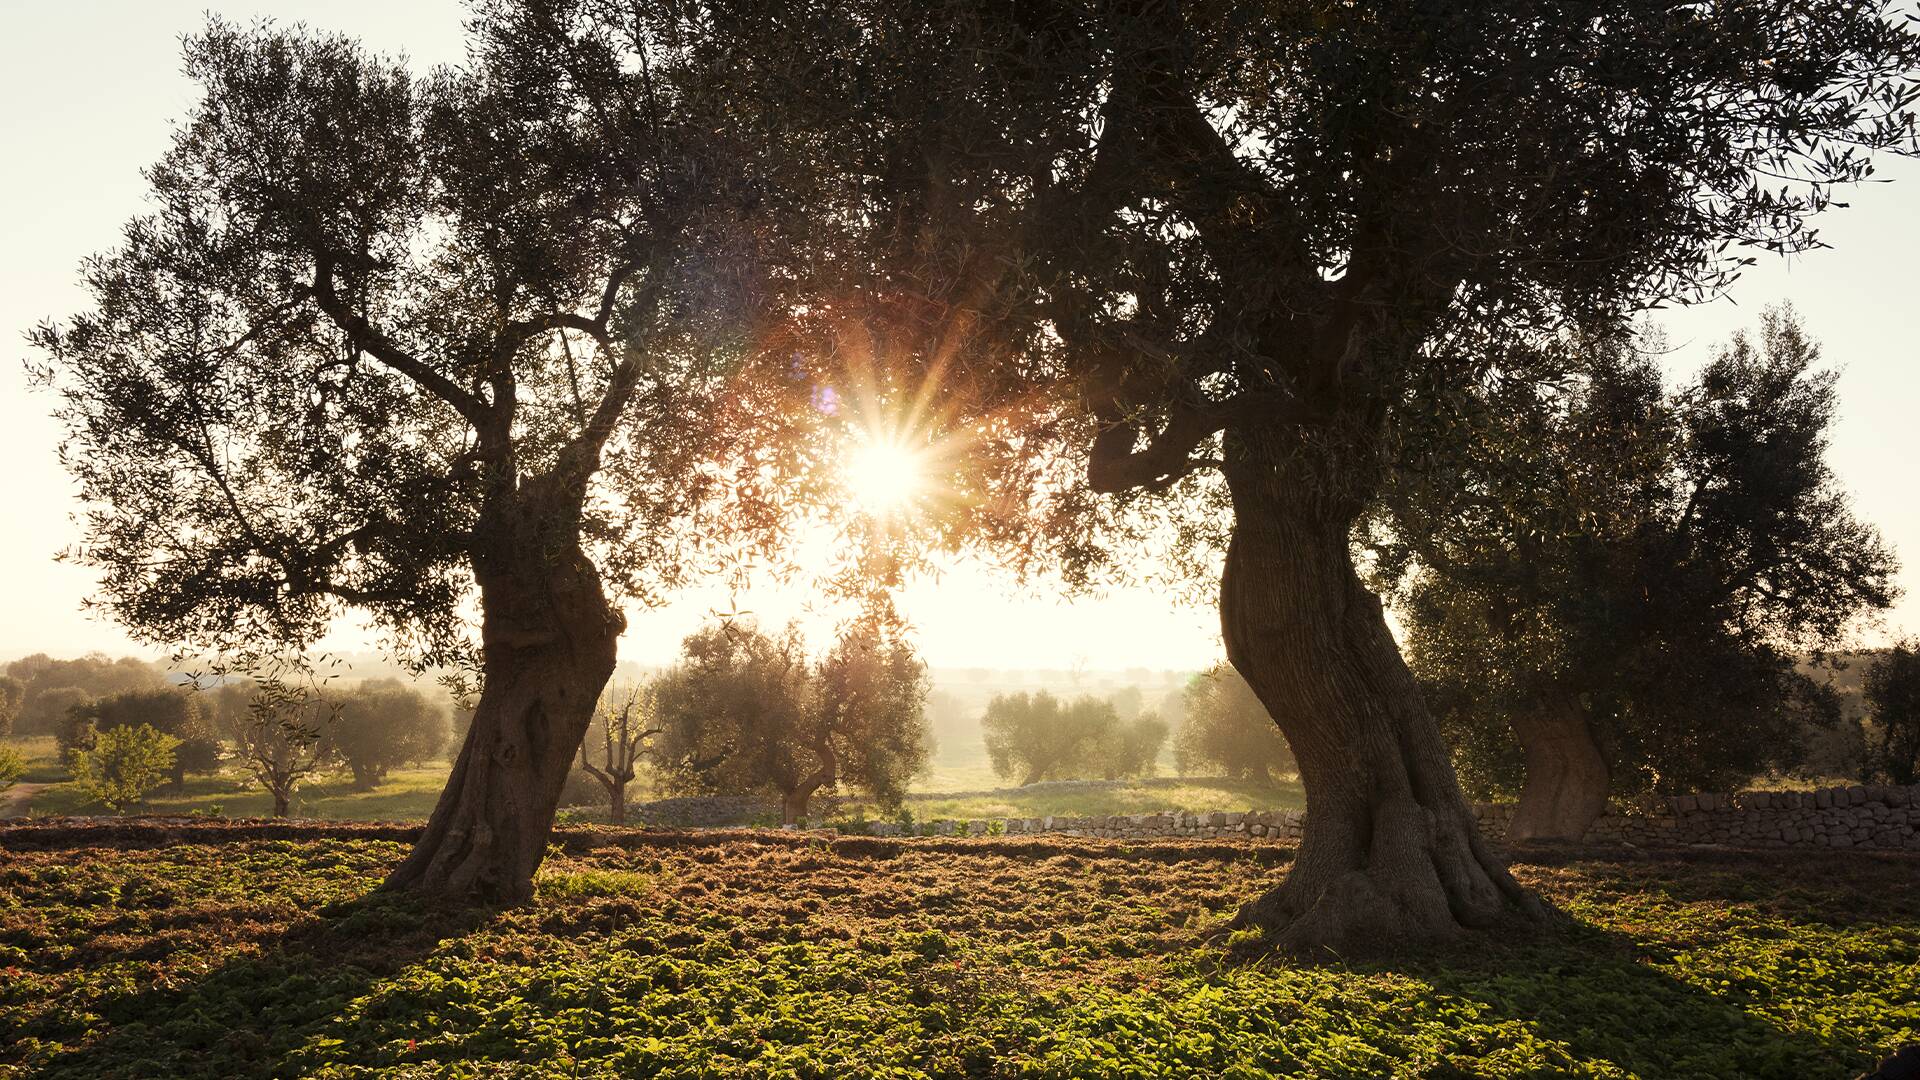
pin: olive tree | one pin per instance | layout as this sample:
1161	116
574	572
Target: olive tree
1608	584
279	733
1207	253
383	724
622	727
1892	692
1227	726
449	350
746	711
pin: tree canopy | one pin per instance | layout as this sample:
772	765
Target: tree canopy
1626	577
1225	726
425	346
745	711
1892	692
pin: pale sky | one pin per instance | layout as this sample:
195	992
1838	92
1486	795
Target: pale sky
88	89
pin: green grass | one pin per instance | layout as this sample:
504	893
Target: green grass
763	956
42	755
407	794
1193	796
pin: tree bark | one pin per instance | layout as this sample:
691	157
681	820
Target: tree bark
548	637
1390	853
281	804
1565	790
617	803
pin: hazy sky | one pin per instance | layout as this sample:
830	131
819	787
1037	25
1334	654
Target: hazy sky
88	89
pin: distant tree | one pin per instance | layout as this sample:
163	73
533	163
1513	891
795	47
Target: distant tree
278	732
870	715
124	764
745	711
178	713
623	731
1892	692
383	724
1612	583
1131	748
52	687
13	693
12	767
1227	727
1038	737
1128	702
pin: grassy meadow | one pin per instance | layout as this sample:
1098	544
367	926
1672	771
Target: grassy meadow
769	955
949	789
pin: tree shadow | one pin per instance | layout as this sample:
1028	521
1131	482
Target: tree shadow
1614	996
246	1016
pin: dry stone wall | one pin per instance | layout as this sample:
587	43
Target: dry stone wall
1862	816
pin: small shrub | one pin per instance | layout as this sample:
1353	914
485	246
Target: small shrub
12	765
124	765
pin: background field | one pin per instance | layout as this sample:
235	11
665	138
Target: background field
771	955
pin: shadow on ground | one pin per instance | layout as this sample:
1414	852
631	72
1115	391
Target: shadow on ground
247	1015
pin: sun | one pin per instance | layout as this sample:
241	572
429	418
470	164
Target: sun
883	476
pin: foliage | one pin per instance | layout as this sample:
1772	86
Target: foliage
179	713
1071	959
12	767
382	724
279	731
746	711
1038	737
1226	726
372	304
13	694
1657	558
1892	692
123	764
52	687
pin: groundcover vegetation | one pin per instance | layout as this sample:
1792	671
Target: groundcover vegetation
223	954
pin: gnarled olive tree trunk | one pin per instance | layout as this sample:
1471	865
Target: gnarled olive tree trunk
549	636
1565	790
1391	851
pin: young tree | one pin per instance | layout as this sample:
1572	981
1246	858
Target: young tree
124	764
1038	737
1211	251
13	693
12	767
1892	691
383	724
279	733
623	737
1625	577
400	344
173	712
1227	727
746	712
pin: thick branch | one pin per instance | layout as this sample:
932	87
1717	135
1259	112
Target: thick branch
362	335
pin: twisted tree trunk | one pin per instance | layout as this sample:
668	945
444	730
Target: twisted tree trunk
1565	790
549	636
1391	852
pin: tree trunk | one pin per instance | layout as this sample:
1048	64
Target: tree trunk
1390	853
1565	791
548	638
281	804
617	803
363	778
793	805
